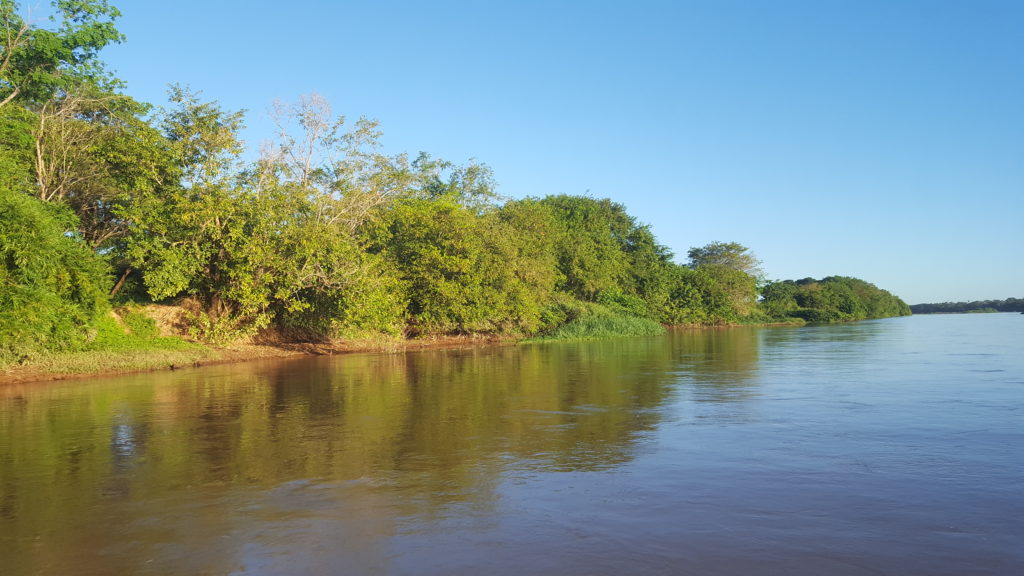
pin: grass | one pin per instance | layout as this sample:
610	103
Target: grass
600	324
98	361
124	342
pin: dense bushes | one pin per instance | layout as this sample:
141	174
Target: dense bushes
832	299
322	237
52	287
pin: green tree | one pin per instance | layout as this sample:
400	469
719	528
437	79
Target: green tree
590	256
712	295
94	153
447	260
187	236
779	299
649	274
522	238
726	277
282	240
438	249
728	254
37	63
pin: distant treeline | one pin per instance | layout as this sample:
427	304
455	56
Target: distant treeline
106	201
1008	305
832	299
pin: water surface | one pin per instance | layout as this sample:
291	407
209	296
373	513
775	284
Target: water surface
882	447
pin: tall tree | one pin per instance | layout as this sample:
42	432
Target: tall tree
592	232
728	254
94	153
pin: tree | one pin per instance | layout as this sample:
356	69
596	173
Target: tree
709	295
728	277
650	270
728	254
186	235
38	63
779	299
590	253
282	240
15	35
94	153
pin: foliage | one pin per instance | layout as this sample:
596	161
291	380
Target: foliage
621	303
832	299
709	295
469	272
589	244
600	248
52	287
137	323
38	63
372	302
132	330
248	247
95	154
601	322
726	254
1008	305
718	286
16	149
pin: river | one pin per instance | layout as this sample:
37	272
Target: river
883	447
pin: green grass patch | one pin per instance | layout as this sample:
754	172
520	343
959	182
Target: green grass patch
602	323
97	361
126	342
135	332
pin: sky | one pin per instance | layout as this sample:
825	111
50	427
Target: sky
877	139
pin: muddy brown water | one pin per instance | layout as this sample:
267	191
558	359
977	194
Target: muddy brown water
883	447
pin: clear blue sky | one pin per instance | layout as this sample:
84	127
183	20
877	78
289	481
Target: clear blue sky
876	139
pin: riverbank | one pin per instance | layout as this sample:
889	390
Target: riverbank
94	364
91	364
156	340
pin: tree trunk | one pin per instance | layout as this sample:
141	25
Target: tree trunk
120	283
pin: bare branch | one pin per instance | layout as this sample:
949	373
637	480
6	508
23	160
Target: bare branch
13	41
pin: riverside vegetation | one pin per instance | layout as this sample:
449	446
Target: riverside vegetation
108	204
978	306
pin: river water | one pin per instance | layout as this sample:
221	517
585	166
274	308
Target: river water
881	447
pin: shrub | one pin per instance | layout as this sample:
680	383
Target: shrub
52	287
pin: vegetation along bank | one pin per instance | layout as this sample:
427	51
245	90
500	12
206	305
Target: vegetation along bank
110	207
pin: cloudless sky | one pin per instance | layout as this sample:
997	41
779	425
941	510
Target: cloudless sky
876	139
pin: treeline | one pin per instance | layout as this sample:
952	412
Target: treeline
1008	305
106	201
832	299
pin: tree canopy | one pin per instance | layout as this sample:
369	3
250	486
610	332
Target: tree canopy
1007	305
726	254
